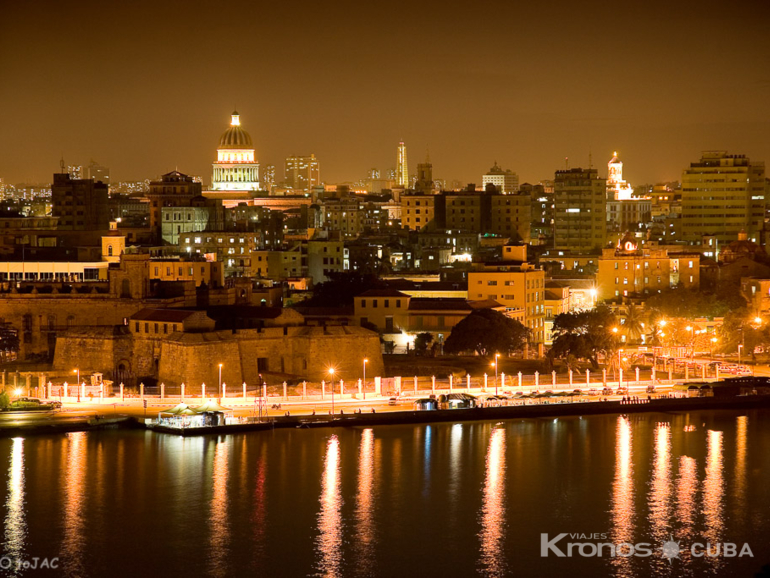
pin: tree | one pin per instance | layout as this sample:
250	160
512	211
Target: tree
485	332
341	289
422	342
634	323
5	400
586	335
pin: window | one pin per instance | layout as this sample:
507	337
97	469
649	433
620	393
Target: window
136	326
387	303
491	283
374	303
398	303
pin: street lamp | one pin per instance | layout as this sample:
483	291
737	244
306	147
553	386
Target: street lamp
495	364
78	372
220	381
713	342
331	372
740	349
364	388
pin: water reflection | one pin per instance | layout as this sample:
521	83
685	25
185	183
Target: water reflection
686	488
660	486
15	521
740	463
493	508
365	504
73	544
219	523
713	489
623	489
329	541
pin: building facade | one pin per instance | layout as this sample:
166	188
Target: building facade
580	205
236	167
723	194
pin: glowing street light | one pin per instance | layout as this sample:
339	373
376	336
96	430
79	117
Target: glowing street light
364	388
494	363
331	372
78	372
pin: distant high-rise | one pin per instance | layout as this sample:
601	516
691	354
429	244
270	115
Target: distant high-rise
98	172
80	204
402	168
580	203
268	180
373	174
506	182
75	171
721	195
236	168
302	172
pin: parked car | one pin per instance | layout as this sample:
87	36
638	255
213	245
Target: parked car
607	391
650	389
393	401
622	391
593	391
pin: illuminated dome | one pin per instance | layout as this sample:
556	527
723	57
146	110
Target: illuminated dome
235	137
236	167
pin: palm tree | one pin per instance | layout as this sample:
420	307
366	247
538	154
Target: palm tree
634	323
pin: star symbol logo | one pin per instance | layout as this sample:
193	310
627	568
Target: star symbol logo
670	549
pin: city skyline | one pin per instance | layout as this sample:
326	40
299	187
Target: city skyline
643	83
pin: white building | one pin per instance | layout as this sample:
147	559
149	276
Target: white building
507	182
236	168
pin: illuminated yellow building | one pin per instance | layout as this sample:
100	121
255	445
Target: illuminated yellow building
236	168
632	271
402	169
417	211
518	287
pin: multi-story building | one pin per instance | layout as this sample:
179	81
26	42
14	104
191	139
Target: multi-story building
344	215
199	215
579	210
200	271
510	216
417	211
505	181
518	286
302	172
174	189
98	173
630	270
721	195
234	249
79	204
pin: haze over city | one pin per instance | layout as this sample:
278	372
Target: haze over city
148	87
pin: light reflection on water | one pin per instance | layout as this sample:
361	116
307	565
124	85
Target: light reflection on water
15	520
623	492
660	486
329	541
489	498
493	561
74	542
219	525
365	534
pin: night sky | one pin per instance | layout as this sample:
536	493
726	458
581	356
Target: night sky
144	87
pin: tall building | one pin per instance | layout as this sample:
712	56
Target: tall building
402	168
268	181
506	182
75	172
302	172
174	189
424	182
80	204
373	174
721	195
580	203
236	168
98	172
617	188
